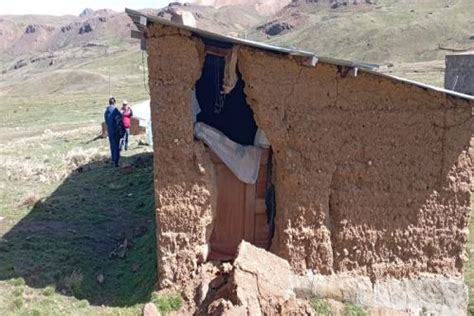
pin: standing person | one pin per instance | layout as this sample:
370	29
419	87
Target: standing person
113	119
127	114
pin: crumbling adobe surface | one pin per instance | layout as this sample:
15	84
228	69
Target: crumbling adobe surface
372	174
258	283
184	177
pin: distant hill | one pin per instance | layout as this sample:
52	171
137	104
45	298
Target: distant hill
33	33
380	32
70	58
263	7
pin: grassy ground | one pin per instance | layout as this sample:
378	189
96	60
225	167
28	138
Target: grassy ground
77	235
469	273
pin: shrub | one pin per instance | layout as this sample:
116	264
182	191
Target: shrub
73	282
167	303
321	306
29	201
17	282
83	304
355	310
18	303
34	312
49	291
18	291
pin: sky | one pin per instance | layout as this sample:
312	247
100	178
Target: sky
74	7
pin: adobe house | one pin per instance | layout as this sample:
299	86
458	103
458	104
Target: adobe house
367	175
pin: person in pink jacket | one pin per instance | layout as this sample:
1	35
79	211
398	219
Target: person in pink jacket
127	114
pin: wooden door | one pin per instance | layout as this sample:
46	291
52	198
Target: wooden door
241	212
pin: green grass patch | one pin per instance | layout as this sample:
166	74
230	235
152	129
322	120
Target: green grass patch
18	303
321	306
48	291
354	310
167	303
469	273
17	282
73	283
60	246
18	291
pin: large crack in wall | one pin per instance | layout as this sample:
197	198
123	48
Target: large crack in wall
369	178
275	89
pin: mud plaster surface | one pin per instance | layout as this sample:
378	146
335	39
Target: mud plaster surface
184	176
372	175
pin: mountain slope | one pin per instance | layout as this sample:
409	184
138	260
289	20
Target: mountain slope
390	31
77	54
264	7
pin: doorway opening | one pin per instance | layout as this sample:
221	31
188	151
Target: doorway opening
242	159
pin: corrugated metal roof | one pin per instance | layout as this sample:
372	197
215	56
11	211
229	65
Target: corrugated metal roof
137	17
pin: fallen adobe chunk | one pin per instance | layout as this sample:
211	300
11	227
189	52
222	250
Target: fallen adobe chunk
260	284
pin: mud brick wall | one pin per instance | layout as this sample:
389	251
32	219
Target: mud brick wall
372	174
184	176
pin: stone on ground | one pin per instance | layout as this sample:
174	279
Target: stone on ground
150	309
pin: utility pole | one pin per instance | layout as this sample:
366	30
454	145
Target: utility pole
110	89
107	55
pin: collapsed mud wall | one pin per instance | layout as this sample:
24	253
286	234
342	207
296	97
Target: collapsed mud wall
372	174
184	176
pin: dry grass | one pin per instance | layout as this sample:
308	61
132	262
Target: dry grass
82	156
29	201
73	283
32	170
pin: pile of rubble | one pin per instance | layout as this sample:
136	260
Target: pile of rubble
260	283
257	283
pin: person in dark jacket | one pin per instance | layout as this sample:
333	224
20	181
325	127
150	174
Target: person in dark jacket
113	119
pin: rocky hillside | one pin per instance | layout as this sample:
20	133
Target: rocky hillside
33	35
263	7
375	31
28	34
382	31
68	46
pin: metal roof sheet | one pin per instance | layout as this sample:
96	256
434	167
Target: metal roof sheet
137	18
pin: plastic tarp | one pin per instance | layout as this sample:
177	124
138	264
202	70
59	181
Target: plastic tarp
261	139
195	106
243	161
142	112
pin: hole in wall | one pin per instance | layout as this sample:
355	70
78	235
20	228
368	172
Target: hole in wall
245	210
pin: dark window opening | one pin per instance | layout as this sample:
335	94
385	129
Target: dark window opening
229	113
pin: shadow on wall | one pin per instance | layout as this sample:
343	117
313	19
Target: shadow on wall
93	238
